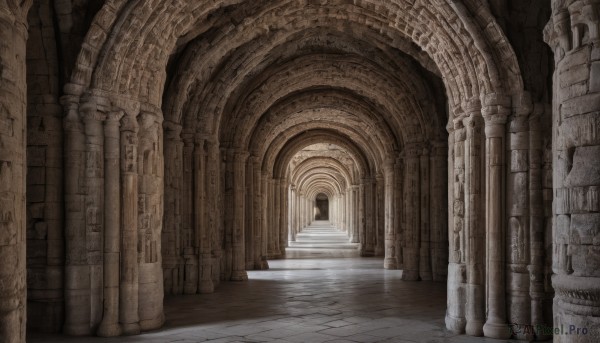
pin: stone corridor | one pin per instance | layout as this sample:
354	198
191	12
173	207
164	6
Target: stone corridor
356	162
322	292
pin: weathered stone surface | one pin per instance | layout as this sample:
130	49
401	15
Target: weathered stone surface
197	138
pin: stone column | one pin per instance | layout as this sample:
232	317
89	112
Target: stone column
203	239
369	214
355	238
573	33
283	216
260	261
239	185
439	210
360	209
265	221
495	112
412	189
425	246
75	251
187	283
399	211
293	214
13	284
380	222
276	228
270	210
250	213
455	313
390	261
172	251
109	326
128	292
474	224
215	219
150	216
537	224
518	244
228	212
94	131
94	219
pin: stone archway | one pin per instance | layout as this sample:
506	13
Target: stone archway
152	64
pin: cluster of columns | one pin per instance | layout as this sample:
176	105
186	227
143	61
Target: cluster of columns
415	207
497	261
113	222
197	251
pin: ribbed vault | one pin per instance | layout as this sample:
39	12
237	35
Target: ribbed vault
246	110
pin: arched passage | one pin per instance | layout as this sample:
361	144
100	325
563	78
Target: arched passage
211	100
223	121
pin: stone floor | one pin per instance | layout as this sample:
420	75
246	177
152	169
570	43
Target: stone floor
323	292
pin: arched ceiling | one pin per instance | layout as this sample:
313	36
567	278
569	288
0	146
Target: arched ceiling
321	168
271	77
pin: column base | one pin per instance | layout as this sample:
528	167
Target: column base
107	329
239	275
456	325
76	330
190	287
264	264
152	324
495	330
130	329
410	275
390	263
474	328
206	286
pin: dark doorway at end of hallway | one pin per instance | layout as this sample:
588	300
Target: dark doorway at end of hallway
322	208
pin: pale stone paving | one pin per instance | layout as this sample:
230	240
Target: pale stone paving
323	292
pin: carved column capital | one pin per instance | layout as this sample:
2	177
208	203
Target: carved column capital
241	156
472	107
188	138
129	123
172	130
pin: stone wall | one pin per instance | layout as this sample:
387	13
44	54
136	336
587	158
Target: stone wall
573	34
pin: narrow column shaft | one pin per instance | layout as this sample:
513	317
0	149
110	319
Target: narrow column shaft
172	251
293	214
538	257
239	185
412	189
128	292
425	229
94	209
380	223
495	325
259	262
187	282
439	210
369	214
250	214
474	224
109	326
518	240
265	222
283	216
214	217
205	284
390	261
356	214
455	313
